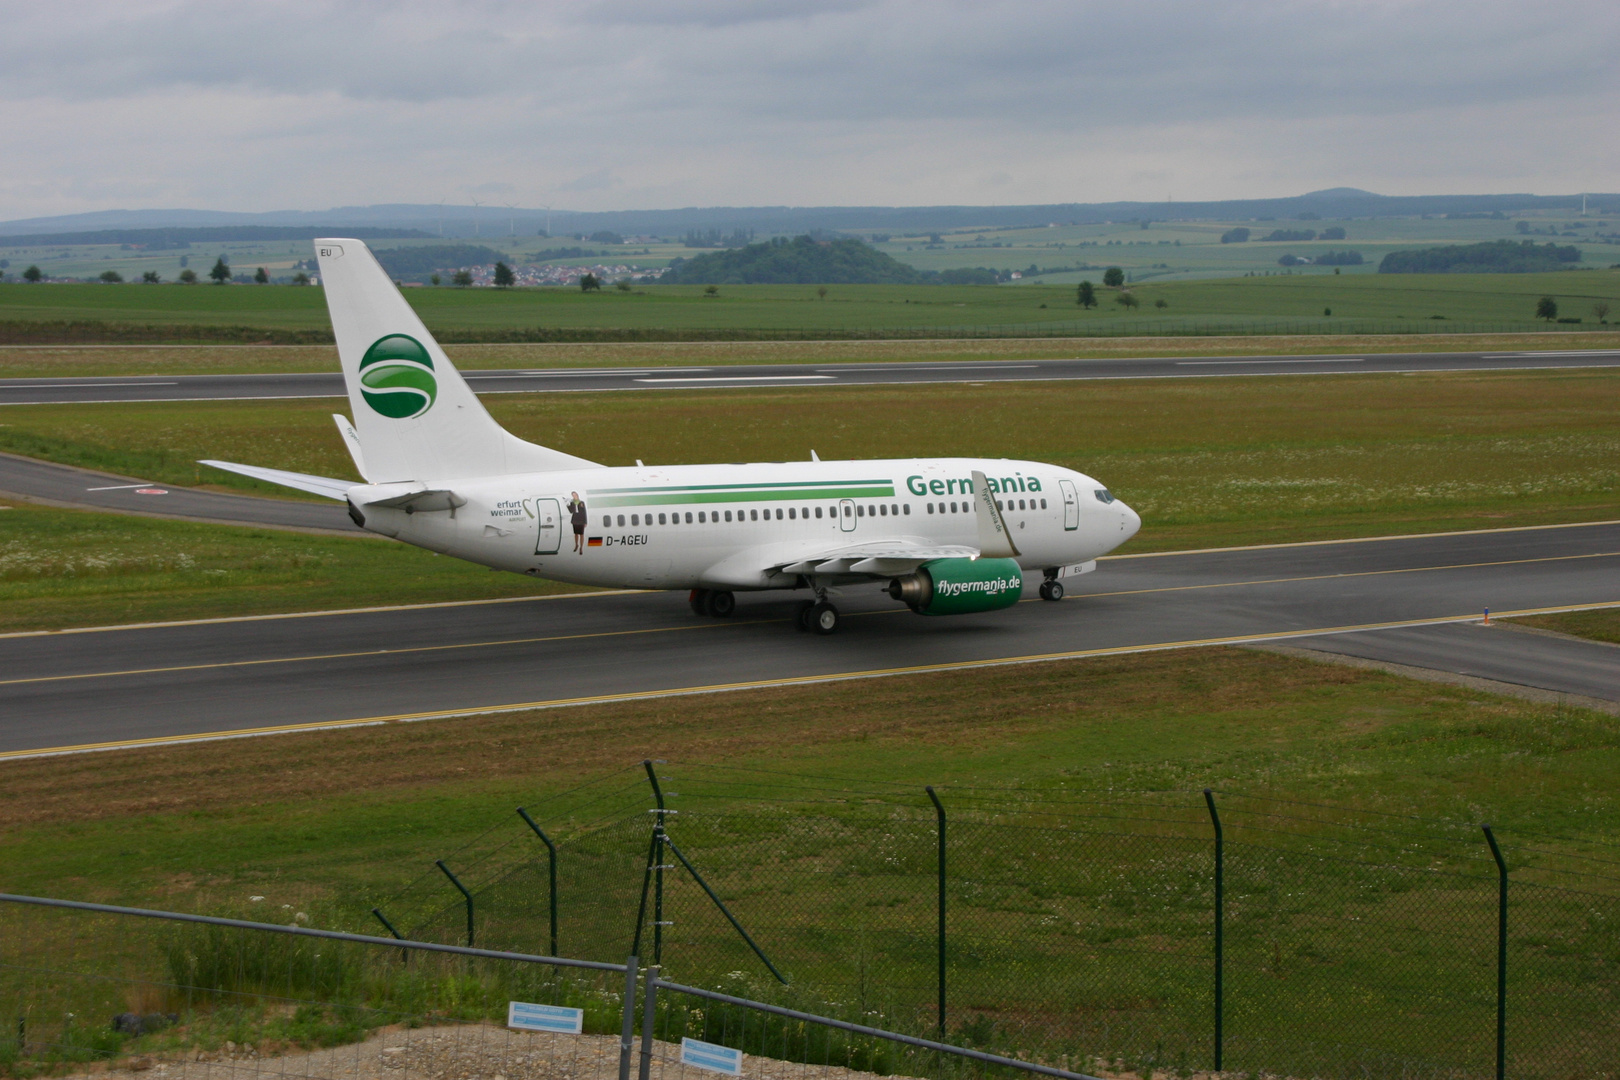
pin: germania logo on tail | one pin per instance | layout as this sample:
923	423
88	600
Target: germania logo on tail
396	377
934	533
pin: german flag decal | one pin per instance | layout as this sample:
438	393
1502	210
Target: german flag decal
595	541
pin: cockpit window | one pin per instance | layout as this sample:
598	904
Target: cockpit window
1104	495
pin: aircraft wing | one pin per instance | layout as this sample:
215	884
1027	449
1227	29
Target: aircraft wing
316	485
777	565
880	558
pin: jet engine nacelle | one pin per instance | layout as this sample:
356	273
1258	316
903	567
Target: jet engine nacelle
960	586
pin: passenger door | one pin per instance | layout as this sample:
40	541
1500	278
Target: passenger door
548	526
1071	505
846	514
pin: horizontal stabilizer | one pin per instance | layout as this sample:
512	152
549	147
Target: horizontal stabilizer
423	500
315	485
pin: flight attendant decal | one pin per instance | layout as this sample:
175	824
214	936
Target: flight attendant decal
577	517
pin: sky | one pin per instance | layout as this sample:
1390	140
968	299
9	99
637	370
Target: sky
650	105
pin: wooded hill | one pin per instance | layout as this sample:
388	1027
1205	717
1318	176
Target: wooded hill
1491	257
800	261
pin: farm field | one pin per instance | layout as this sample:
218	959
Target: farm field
1193	249
1163	249
1287	303
1285	459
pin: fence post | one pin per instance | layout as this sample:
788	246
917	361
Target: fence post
735	925
646	885
1501	952
551	858
649	1002
939	813
627	1030
658	865
404	954
1220	921
456	882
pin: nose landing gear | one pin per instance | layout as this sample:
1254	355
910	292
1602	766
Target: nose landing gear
1051	588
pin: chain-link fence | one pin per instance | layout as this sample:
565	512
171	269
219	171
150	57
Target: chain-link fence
1089	930
1161	933
214	998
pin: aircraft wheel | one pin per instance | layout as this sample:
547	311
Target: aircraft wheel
720	604
698	598
823	618
1052	590
801	617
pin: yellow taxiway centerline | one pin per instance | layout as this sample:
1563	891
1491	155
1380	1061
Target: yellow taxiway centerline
750	622
801	680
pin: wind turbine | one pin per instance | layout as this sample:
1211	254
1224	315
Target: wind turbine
477	205
511	218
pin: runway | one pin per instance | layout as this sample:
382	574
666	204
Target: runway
521	381
99	689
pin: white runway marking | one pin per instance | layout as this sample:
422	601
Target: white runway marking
1303	360
80	386
737	378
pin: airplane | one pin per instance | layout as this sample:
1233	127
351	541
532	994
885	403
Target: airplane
944	536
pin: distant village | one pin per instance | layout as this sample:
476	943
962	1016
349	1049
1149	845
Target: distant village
548	274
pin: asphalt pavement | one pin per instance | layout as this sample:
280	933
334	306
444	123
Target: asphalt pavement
1498	652
62	485
163	683
522	381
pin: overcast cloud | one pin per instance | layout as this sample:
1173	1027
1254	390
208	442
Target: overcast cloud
752	102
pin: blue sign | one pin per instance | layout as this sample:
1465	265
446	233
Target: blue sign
720	1059
558	1018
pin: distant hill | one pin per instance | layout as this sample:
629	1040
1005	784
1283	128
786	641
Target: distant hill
417	263
185	236
800	261
1493	257
482	224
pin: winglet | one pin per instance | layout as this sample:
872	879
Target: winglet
351	439
995	542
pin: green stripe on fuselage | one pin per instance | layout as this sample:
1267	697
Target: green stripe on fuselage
737	493
774	485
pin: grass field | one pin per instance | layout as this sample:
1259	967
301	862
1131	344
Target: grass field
1280	304
1601	625
333	813
76	568
61	361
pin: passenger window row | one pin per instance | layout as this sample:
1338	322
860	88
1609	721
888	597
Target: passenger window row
967	508
705	517
880	510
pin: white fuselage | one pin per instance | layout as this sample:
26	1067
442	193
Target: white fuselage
725	526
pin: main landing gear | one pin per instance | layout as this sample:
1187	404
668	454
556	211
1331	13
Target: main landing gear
1051	588
816	616
717	603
